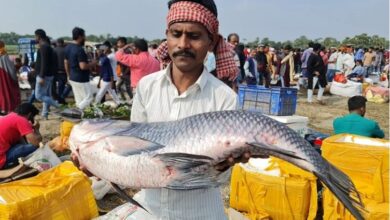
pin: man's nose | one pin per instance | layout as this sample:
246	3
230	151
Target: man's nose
184	42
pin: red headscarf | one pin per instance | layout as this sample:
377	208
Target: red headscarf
186	11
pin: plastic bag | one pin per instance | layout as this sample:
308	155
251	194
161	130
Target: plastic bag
340	78
42	159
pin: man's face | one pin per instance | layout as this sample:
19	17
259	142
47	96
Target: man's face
266	49
188	44
286	52
120	44
253	52
82	40
261	49
370	50
234	41
37	38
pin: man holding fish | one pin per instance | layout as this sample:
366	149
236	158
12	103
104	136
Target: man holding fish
183	89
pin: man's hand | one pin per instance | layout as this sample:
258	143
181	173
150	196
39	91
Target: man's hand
316	73
230	161
76	162
36	125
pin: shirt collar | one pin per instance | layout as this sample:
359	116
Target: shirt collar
201	82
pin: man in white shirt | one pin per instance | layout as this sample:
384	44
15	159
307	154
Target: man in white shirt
186	88
332	64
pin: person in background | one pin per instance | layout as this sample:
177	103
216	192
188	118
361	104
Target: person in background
368	61
19	135
210	63
377	66
9	86
340	58
241	56
271	61
141	63
250	68
305	57
234	40
60	77
113	62
262	67
358	72
153	50
359	54
332	64
297	61
32	80
348	62
46	67
316	73
18	64
124	70
78	69
106	82
286	67
355	123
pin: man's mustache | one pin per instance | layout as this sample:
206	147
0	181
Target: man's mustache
184	53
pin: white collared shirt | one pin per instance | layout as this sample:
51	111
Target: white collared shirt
157	99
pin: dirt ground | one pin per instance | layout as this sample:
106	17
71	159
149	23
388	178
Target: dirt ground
320	116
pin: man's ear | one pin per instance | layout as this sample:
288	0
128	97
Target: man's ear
213	42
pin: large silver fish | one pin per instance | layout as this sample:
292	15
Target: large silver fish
182	154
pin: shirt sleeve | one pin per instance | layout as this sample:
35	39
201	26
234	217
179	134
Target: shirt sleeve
24	127
126	59
377	132
82	56
138	111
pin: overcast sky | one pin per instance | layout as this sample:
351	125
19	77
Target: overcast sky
277	19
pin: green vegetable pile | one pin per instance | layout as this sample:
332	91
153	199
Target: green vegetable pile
105	111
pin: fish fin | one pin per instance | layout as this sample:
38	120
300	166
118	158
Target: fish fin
126	146
274	151
195	171
126	197
344	189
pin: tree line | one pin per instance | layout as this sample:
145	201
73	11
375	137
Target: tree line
359	41
363	40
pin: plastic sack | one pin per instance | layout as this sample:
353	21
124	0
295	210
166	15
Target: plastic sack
63	192
42	159
364	160
263	196
127	211
348	89
377	94
333	209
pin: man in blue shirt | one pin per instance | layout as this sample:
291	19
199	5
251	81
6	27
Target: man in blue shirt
78	69
355	123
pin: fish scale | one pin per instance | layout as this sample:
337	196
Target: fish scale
182	154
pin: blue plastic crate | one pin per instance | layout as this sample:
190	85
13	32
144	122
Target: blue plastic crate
275	101
283	101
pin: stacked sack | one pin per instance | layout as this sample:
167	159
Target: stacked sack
366	162
273	189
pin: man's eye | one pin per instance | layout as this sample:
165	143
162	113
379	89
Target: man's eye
176	34
194	36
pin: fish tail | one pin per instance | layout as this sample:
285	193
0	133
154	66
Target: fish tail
344	189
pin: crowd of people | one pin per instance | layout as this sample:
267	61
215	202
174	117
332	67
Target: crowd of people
61	67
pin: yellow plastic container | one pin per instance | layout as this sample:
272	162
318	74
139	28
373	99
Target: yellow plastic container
262	196
364	160
60	193
66	128
333	209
